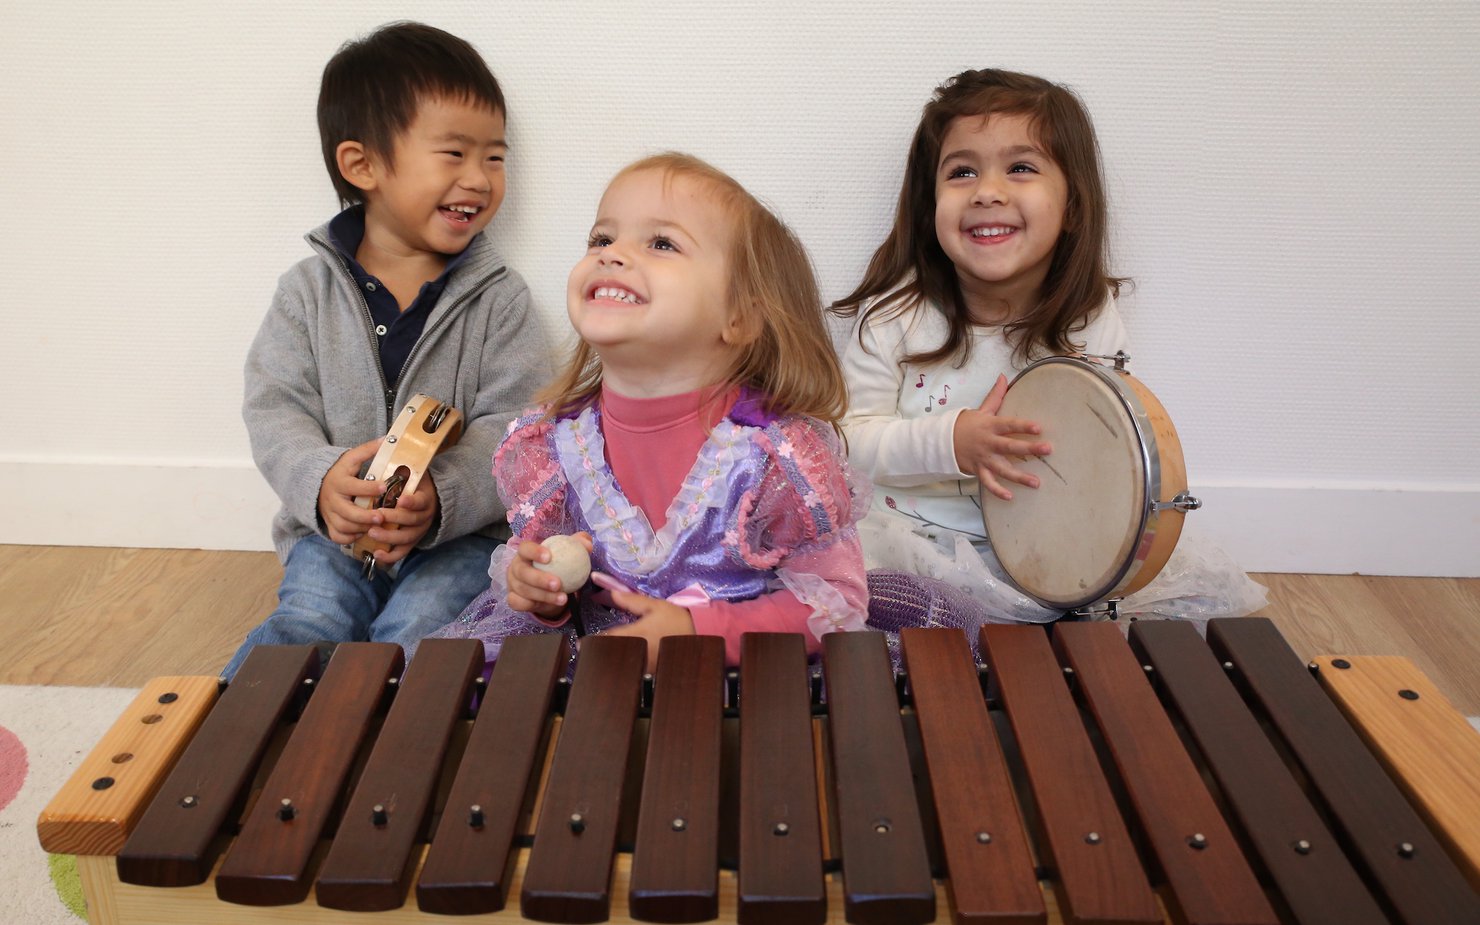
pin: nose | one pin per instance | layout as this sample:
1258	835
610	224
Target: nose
611	256
988	191
474	176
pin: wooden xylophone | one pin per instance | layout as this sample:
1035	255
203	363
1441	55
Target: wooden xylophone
1082	777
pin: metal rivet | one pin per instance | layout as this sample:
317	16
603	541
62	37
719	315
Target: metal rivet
679	825
475	816
102	783
1302	847
390	438
1198	841
1407	694
168	698
1068	671
1228	666
308	682
285	811
983	838
1341	663
577	823
781	829
378	816
189	802
882	827
1148	669
1092	838
1406	850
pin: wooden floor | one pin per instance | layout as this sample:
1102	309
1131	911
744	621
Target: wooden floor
84	616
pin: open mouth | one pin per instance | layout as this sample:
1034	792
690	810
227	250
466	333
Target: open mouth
608	293
460	213
991	232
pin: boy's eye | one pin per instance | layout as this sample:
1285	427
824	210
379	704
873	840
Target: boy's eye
598	240
664	244
452	153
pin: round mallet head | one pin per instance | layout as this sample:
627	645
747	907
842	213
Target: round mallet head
569	562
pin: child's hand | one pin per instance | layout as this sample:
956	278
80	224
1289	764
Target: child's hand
532	590
345	520
656	618
405	524
989	446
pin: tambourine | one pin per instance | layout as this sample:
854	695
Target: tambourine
424	428
1111	498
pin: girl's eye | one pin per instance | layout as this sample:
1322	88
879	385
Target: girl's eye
598	240
664	244
1022	168
956	173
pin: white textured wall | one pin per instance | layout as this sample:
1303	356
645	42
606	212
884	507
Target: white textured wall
1293	186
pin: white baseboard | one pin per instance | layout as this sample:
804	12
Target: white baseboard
153	506
1341	530
1266	528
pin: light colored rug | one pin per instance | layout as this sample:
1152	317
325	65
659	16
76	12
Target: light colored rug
45	732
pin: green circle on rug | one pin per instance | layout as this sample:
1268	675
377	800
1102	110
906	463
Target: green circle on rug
68	883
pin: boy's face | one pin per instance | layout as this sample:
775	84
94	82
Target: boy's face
445	183
650	294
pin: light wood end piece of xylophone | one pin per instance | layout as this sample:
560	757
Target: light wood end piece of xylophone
100	804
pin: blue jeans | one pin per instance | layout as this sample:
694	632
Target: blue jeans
325	597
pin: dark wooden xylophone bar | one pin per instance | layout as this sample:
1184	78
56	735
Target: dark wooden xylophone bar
780	878
268	864
471	861
369	866
176	841
1410	869
1100	877
989	865
886	871
1210	882
675	861
1313	875
568	878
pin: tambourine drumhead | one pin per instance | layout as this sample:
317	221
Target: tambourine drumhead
1089	532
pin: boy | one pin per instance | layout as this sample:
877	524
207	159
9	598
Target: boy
405	294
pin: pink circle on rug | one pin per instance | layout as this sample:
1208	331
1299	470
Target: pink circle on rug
13	766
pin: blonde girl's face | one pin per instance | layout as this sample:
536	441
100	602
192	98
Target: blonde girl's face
999	210
650	294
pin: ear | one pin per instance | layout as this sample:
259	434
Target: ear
355	165
736	332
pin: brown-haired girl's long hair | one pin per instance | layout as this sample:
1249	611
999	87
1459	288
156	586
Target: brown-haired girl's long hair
910	269
783	351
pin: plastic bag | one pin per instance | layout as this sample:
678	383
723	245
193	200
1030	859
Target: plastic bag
1199	582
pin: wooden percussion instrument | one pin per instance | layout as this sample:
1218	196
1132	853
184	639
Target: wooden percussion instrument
1108	510
424	428
1079	778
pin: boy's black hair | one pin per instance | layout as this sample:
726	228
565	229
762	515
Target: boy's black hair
372	86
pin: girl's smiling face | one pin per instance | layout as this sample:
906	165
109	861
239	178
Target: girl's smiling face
651	294
999	210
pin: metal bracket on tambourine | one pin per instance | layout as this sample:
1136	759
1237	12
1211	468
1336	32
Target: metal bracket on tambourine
1118	359
1184	502
1103	610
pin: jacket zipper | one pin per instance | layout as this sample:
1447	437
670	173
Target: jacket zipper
387	394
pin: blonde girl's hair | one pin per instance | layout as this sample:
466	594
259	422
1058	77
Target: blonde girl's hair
783	349
910	268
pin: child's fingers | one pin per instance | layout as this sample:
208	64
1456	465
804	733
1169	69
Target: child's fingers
989	482
993	402
532	584
1006	470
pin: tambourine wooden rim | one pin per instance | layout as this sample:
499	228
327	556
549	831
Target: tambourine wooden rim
424	428
1157	498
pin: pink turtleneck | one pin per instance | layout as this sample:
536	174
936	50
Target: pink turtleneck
651	444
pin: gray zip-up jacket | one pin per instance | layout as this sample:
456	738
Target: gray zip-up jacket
314	386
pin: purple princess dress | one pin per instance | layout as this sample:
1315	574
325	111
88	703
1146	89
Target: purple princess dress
767	505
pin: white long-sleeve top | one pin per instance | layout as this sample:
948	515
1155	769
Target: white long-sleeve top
901	418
